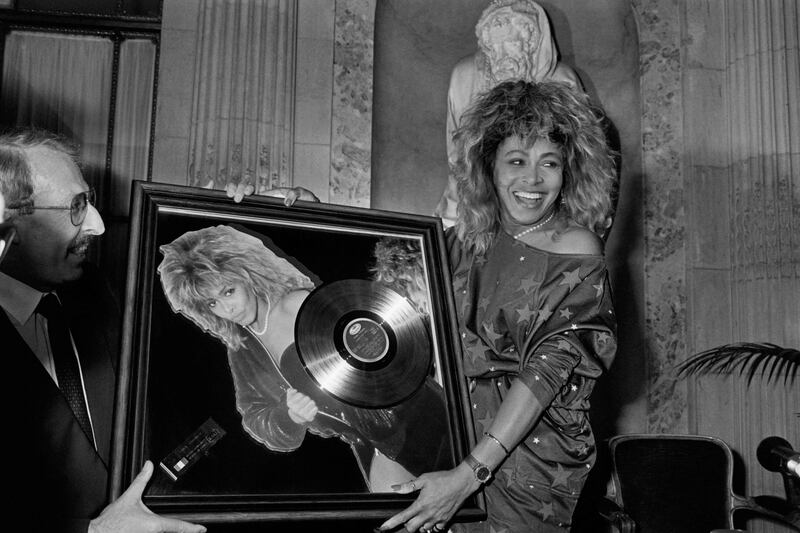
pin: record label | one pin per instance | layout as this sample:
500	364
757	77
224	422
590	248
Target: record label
365	340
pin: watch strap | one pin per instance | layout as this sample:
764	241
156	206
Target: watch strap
472	462
482	472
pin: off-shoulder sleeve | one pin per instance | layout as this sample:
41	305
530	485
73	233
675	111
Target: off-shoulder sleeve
548	370
575	301
572	332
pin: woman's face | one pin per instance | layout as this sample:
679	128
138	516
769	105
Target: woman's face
235	303
527	179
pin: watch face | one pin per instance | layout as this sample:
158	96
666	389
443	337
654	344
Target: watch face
483	474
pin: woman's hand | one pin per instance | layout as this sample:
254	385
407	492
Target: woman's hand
238	191
440	496
290	195
302	409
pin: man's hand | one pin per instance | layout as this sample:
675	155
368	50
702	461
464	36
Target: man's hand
129	515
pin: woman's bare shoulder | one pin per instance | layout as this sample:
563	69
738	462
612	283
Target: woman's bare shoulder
578	240
291	301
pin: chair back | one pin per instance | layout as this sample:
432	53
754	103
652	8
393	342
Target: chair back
671	483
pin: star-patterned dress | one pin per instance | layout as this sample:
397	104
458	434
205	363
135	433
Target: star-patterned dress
545	319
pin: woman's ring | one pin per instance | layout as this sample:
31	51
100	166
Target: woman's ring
413	486
438	527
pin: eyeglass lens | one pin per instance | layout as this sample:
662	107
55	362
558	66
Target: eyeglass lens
7	232
79	205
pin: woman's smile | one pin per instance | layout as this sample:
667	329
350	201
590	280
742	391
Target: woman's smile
529	198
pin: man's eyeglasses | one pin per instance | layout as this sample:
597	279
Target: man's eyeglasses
77	207
7	232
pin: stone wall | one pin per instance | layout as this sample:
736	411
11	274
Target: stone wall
664	213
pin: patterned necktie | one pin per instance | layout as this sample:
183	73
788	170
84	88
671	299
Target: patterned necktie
65	359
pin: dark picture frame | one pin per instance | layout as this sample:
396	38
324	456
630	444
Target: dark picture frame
173	377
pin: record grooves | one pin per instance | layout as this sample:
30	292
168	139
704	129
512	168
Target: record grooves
362	343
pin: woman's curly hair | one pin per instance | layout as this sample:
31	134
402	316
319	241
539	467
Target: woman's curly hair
530	111
198	262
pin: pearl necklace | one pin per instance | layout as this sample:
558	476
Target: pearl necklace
266	319
536	226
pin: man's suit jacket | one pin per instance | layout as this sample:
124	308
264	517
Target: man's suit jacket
60	480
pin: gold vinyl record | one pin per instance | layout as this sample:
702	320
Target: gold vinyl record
363	343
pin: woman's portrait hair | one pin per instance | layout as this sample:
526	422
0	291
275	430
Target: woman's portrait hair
198	263
530	111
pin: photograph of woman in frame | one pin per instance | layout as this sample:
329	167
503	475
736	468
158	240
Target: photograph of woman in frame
233	286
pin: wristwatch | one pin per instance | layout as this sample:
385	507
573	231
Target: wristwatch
482	472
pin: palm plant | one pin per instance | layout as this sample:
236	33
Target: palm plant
748	358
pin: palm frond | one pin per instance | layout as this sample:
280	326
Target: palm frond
748	358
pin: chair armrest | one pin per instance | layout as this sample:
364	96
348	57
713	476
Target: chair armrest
790	513
771	508
615	515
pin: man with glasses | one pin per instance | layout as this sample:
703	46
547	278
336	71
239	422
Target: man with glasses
59	339
7	230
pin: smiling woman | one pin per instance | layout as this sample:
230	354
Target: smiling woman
536	189
544	151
